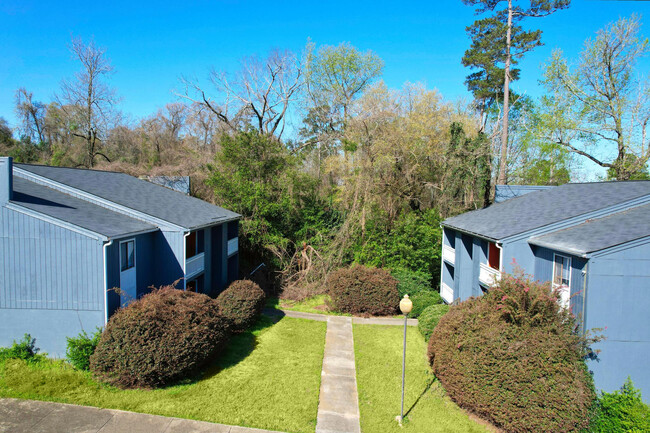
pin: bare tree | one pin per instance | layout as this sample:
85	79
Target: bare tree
31	115
87	100
260	92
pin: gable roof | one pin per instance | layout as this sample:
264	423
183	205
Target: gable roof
81	213
541	208
599	234
140	195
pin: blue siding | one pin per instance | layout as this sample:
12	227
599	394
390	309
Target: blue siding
51	282
168	246
48	267
464	265
146	260
543	272
618	296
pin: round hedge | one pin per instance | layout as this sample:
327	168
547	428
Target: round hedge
241	303
363	290
512	357
430	318
159	339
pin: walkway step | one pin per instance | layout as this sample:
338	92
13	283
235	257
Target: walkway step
338	405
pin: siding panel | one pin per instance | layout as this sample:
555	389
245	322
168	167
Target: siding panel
49	267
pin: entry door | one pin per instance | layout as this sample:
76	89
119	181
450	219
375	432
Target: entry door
128	285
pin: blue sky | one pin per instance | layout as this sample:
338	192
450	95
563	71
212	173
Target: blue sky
151	44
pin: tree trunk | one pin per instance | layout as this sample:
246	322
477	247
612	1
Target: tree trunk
503	160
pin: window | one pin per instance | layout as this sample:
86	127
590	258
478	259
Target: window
194	244
494	256
127	255
562	278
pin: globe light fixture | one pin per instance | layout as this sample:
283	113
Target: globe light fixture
405	306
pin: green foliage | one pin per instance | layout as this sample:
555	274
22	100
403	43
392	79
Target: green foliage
363	290
598	103
621	411
81	347
411	282
412	243
24	349
162	337
488	51
267	378
241	304
512	357
428	320
256	176
423	300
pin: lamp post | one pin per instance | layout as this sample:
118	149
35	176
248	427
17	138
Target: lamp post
405	306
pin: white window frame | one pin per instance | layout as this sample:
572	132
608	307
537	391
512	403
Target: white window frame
565	300
127	254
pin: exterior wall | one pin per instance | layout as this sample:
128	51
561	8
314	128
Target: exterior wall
543	273
464	272
51	282
147	260
169	250
617	298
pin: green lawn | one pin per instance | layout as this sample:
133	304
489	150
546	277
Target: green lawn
268	378
378	353
316	304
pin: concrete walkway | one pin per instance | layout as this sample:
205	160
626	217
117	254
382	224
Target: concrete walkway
28	416
338	404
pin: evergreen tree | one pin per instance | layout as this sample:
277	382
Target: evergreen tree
499	40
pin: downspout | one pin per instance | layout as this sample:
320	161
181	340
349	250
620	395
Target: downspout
106	245
584	298
185	259
500	248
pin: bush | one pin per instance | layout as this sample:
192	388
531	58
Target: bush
622	411
513	357
363	290
430	318
81	347
423	300
24	349
241	304
411	282
162	337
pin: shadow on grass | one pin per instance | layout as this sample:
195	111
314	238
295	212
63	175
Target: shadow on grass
238	348
417	400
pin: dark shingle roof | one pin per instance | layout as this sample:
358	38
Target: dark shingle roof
73	210
542	208
140	195
601	233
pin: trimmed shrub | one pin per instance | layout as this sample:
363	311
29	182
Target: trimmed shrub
423	300
362	290
24	349
513	357
430	318
158	339
241	304
411	282
622	411
81	347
